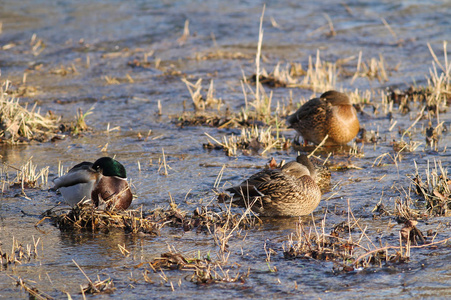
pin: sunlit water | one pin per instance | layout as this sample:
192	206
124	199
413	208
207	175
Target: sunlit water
85	34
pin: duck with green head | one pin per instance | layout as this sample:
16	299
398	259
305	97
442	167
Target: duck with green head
104	181
331	115
289	191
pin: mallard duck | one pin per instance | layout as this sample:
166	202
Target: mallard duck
289	191
331	114
105	180
320	173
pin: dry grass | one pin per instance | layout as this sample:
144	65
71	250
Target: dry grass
435	97
319	76
24	177
373	69
19	254
260	108
222	54
360	97
37	45
27	176
98	286
205	271
259	105
111	80
208	119
223	226
20	124
162	164
277	78
403	146
256	111
435	189
405	209
433	134
251	141
65	70
439	83
87	217
313	242
204	220
349	246
23	90
202	102
33	292
231	225
80	123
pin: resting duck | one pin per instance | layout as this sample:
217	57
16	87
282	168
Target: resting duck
320	173
331	114
105	180
289	191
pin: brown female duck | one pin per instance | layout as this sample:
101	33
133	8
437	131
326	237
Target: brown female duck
319	172
331	114
289	191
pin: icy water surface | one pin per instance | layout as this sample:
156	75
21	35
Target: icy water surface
68	48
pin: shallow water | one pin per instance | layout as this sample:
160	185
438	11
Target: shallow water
110	35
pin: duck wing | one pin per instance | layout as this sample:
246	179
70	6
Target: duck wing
257	185
81	173
313	107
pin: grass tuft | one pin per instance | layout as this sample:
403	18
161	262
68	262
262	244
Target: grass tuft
20	124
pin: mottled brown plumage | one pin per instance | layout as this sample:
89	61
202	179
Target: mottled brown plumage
319	172
289	191
331	114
